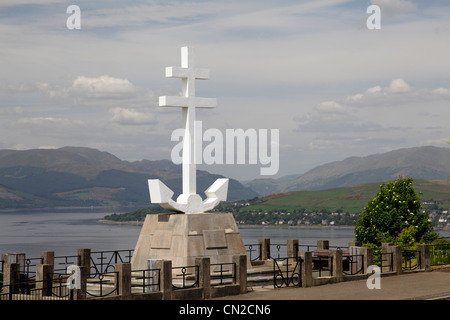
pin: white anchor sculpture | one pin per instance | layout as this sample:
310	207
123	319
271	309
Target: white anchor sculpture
189	201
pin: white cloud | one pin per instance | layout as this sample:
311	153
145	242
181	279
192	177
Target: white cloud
398	86
47	122
93	87
330	107
374	90
131	117
102	86
442	91
396	116
355	97
321	144
330	117
398	93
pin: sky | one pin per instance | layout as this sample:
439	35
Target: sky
311	69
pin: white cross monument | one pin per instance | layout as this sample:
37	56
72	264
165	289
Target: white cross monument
182	238
189	201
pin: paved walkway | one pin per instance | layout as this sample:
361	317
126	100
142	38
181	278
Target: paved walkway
421	285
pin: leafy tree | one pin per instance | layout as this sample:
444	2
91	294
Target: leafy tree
406	238
394	216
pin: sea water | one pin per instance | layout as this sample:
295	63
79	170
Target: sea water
64	232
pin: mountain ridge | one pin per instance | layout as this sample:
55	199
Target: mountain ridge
84	177
80	176
427	162
87	162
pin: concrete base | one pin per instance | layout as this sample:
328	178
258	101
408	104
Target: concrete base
183	237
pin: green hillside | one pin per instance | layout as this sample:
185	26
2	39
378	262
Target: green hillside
347	199
337	206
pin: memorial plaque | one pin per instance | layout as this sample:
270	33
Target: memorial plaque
214	239
162	239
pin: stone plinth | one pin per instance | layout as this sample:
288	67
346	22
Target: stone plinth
183	237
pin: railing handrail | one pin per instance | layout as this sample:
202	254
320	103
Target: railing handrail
66	262
28	289
287	276
184	275
100	281
408	256
439	254
222	276
146	279
354	259
102	267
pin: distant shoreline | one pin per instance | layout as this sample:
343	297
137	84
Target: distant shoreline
99	209
250	226
253	226
242	226
132	223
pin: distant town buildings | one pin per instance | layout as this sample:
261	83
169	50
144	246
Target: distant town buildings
439	217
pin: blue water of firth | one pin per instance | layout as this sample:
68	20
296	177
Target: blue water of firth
65	232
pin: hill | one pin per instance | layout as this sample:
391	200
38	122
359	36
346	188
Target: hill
84	162
351	199
337	206
84	177
419	163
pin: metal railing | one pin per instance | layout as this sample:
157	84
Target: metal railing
439	254
276	250
30	267
353	264
187	278
225	271
308	247
148	280
280	249
385	260
105	260
56	289
411	259
62	262
251	249
321	264
106	281
287	271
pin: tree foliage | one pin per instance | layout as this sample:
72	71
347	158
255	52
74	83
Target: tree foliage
394	216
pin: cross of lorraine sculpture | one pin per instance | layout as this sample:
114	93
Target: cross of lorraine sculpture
189	201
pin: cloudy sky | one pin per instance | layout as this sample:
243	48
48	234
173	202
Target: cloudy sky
311	69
